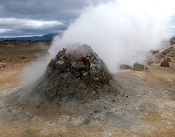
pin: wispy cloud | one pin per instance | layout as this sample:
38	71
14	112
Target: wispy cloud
18	23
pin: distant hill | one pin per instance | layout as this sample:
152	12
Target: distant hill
34	38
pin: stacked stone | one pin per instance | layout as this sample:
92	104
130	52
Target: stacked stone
76	73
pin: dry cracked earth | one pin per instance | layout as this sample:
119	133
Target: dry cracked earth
145	108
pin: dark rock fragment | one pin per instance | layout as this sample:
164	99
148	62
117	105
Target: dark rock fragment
123	66
164	63
139	67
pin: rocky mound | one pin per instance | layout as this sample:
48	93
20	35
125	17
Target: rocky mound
73	74
164	57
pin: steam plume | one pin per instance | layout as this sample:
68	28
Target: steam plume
119	31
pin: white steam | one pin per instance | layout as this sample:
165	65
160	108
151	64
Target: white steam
33	72
119	31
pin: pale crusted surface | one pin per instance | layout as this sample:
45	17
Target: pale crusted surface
145	108
148	111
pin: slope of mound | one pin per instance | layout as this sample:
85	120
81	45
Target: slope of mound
77	73
74	77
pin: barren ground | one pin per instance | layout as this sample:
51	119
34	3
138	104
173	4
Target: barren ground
147	111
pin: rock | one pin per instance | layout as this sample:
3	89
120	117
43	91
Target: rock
75	73
139	67
161	55
167	50
164	63
61	53
163	52
79	65
60	65
168	59
123	66
172	55
155	51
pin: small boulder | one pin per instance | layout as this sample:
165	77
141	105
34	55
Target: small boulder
155	51
75	73
123	66
161	55
139	67
168	59
60	65
173	54
79	65
164	63
61	53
